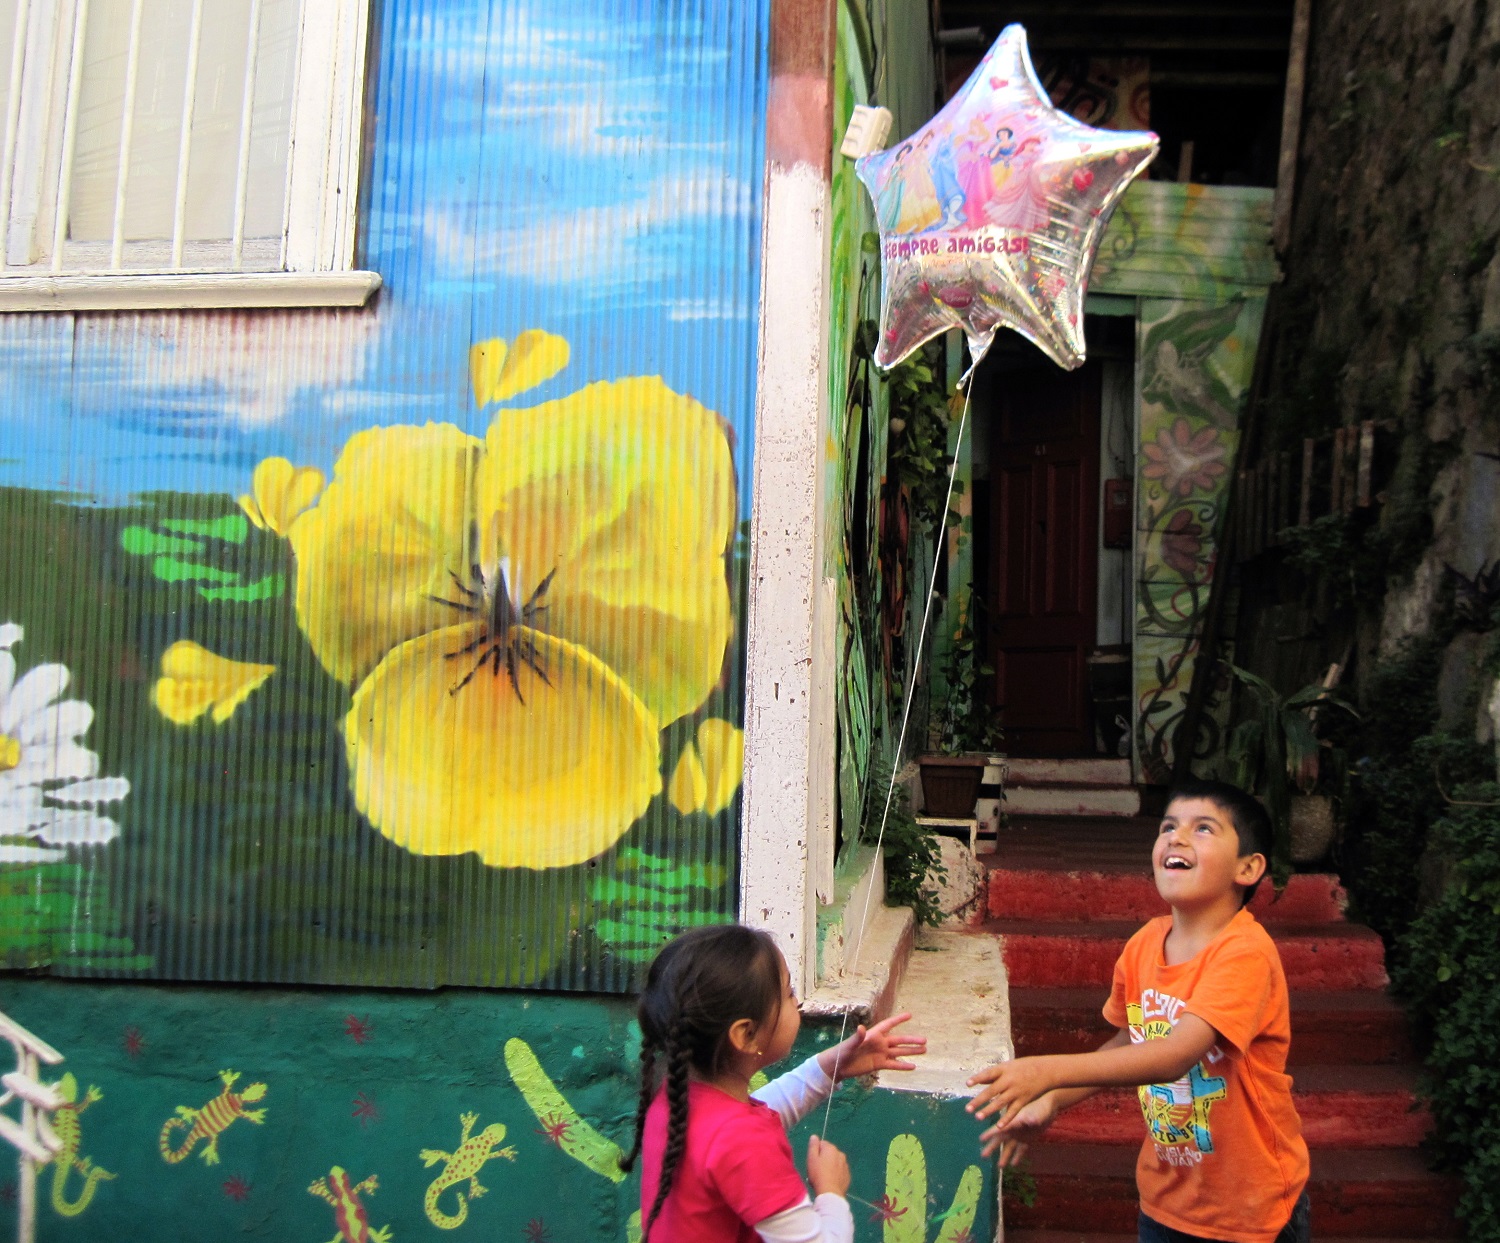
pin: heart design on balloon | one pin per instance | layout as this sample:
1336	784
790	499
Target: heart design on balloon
990	215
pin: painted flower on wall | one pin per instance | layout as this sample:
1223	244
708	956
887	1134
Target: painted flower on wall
520	615
50	790
1182	544
1185	460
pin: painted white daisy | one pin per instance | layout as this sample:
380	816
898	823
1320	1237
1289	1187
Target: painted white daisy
50	790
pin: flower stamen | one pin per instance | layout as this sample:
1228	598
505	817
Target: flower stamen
503	639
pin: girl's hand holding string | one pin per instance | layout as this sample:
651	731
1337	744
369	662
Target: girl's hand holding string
873	1049
827	1168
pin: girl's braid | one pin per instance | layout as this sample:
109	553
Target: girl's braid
648	1091
679	1059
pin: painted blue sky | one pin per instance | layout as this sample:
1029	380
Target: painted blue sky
591	167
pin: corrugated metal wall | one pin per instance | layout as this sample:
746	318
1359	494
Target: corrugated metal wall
404	646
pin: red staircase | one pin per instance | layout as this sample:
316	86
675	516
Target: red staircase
1064	894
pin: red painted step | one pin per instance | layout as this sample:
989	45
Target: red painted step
1324	956
1353	1026
1340	1107
1037	891
1365	1193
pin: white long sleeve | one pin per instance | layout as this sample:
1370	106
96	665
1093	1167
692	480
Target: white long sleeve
795	1094
825	1220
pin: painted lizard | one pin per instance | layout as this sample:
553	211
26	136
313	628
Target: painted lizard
210	1121
348	1210
70	1131
463	1164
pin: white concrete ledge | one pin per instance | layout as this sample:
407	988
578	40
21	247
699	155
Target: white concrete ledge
956	989
179	291
866	994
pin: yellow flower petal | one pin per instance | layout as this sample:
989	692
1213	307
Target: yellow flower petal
252	511
486	361
688	787
281	492
535	356
444	769
194	680
626	490
380	549
723	749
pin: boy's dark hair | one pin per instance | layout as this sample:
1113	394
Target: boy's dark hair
1252	824
699	986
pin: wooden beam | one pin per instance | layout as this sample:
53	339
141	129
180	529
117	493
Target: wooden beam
1304	507
1291	126
1366	461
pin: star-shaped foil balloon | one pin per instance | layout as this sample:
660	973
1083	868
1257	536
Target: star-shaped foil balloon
990	214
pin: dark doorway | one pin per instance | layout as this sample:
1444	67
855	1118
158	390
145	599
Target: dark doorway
1043	552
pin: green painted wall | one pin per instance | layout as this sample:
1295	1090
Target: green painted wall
368	1080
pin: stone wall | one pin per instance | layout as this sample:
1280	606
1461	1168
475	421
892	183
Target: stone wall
1391	311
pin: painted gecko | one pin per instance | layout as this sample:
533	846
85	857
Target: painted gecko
348	1210
70	1131
210	1121
463	1164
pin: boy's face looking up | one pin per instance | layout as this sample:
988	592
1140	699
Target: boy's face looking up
1197	859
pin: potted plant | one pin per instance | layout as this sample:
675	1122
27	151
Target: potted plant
967	736
1277	753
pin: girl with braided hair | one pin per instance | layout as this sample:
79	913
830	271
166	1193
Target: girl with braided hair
716	1164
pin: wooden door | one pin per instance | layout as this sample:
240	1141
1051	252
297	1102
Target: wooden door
1044	513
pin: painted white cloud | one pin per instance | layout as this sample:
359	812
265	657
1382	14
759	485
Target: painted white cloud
599	245
244	367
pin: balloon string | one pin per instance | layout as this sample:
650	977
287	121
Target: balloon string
911	689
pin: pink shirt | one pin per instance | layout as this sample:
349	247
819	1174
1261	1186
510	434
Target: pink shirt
736	1170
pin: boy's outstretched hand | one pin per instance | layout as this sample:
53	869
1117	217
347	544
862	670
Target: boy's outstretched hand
1017	1133
1010	1087
872	1049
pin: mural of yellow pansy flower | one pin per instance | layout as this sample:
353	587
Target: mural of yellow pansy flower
520	615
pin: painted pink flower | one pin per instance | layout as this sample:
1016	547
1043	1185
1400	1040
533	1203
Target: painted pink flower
1182	543
1185	460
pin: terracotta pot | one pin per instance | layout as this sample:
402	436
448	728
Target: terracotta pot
950	785
1312	827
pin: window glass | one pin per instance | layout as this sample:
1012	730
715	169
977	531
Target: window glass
155	137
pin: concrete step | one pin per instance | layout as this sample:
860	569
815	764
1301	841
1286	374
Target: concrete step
1039	954
1099	771
1340	1107
1356	1193
1072	800
1121	892
1329	1026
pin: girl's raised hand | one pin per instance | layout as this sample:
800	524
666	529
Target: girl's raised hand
873	1049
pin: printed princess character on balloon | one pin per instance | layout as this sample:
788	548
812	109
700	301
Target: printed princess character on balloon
996	172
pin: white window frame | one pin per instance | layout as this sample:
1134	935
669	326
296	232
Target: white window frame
313	259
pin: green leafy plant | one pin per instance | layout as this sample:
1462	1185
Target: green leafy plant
919	457
1275	751
967	722
913	858
1448	973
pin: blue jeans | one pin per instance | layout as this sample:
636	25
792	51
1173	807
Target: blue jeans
1297	1230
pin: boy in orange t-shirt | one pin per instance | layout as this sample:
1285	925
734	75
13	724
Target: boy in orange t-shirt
1201	1004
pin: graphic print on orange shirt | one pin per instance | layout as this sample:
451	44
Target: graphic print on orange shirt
1177	1114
